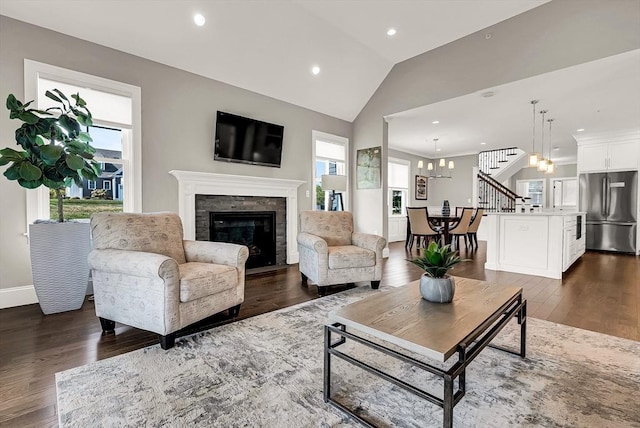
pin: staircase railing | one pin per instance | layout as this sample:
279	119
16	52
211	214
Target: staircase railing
490	160
493	196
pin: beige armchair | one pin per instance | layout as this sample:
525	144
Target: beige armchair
332	253
146	276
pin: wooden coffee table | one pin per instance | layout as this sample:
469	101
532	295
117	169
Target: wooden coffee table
434	330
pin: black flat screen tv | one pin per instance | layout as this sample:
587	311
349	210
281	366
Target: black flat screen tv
244	140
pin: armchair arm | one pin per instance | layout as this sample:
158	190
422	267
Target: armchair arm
221	253
313	242
135	263
368	241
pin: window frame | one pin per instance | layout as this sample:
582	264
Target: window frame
38	199
334	139
92	184
404	190
104	187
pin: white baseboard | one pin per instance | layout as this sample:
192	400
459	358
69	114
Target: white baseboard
17	296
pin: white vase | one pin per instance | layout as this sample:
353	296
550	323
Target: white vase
59	264
438	290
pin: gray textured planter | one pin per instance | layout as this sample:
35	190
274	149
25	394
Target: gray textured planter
438	290
59	264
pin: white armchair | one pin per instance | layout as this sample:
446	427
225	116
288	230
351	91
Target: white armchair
146	276
332	253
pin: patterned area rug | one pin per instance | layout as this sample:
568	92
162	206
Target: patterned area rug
266	371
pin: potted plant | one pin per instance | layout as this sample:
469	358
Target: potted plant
435	284
54	152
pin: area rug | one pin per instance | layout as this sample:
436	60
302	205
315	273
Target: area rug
266	371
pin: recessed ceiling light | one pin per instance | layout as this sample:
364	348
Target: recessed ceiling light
199	19
391	32
437	150
435	122
555	149
483	143
315	70
580	130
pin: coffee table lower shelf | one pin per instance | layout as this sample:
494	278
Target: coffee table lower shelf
467	352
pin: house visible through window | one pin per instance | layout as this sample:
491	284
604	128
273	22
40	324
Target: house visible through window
106	185
330	159
90	184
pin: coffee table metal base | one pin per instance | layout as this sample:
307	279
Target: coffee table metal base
467	352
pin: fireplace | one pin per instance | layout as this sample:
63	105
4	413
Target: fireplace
254	229
202	192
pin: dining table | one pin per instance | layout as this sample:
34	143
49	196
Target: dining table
444	220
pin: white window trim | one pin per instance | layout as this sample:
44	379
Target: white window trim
390	189
38	199
89	185
104	183
323	136
544	188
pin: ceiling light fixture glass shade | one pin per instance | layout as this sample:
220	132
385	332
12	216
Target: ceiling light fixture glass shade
450	164
542	165
551	167
420	164
430	166
441	163
534	157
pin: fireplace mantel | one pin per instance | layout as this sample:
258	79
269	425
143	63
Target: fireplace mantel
191	183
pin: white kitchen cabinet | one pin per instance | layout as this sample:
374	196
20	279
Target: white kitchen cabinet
613	156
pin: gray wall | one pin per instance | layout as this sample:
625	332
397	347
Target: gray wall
555	35
458	190
178	122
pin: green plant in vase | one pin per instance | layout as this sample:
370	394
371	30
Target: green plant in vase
54	151
435	284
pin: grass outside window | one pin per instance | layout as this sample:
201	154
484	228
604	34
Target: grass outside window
83	208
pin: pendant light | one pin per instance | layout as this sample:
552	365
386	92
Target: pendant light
542	163
550	165
533	156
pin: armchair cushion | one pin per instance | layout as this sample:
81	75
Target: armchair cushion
350	256
335	227
159	233
204	279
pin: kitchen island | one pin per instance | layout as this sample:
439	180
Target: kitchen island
543	243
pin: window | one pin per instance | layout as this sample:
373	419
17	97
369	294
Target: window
115	108
106	185
565	193
330	158
398	184
534	189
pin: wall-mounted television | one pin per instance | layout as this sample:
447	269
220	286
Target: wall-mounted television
245	140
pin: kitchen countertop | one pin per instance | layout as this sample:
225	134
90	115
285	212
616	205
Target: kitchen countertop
543	213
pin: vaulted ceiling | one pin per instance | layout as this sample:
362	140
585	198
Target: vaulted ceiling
270	47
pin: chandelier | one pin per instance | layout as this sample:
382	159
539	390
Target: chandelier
437	171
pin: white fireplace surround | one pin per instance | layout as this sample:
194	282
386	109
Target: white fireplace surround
191	183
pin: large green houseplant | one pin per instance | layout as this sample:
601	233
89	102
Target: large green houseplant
436	261
54	151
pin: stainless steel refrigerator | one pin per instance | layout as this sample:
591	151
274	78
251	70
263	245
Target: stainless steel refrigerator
610	200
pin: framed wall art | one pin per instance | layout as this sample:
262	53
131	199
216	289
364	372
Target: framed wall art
369	168
422	186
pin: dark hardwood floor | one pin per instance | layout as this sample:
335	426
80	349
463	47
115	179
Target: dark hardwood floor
600	293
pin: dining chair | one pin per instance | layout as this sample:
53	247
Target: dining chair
462	227
419	226
472	232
